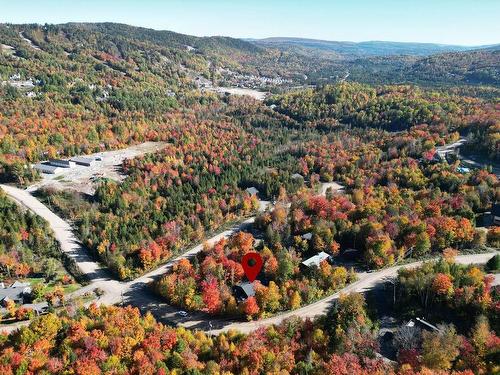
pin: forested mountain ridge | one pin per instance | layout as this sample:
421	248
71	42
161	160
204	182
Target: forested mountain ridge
107	85
80	88
375	48
301	62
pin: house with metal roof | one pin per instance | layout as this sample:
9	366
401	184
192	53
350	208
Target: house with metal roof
17	293
62	163
39	308
252	191
307	236
85	161
463	170
243	291
20	284
47	168
316	260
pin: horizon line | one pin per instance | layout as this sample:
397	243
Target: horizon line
244	38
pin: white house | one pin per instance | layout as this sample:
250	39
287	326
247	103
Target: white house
316	260
252	191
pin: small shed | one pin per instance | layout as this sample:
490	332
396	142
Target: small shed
47	168
315	260
85	161
243	291
252	191
62	163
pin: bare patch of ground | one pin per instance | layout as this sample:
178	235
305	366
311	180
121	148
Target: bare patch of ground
336	187
83	179
9	50
259	95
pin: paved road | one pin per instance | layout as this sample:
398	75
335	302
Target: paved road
98	276
451	146
137	292
366	281
63	233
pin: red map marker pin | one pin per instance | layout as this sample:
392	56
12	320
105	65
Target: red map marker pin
251	263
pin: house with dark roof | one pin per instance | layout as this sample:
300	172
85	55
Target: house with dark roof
18	292
243	291
62	163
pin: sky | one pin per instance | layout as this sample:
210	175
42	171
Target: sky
464	22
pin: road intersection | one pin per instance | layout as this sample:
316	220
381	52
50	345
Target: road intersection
138	293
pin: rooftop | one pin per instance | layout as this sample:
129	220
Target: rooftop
247	288
252	191
316	260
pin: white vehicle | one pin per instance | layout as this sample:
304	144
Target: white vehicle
182	313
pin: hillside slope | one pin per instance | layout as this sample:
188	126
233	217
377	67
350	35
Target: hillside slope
373	48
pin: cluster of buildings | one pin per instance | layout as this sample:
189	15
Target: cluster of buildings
245	290
20	293
27	85
250	80
55	166
17	292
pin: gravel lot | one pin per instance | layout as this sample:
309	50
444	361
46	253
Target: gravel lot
82	179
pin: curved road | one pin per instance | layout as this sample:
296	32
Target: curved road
365	282
99	277
138	293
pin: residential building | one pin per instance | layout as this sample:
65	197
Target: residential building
17	292
243	291
307	236
316	260
252	191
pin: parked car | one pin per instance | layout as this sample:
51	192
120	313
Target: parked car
182	313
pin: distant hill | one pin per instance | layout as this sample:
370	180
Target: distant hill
186	61
471	67
374	48
166	38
